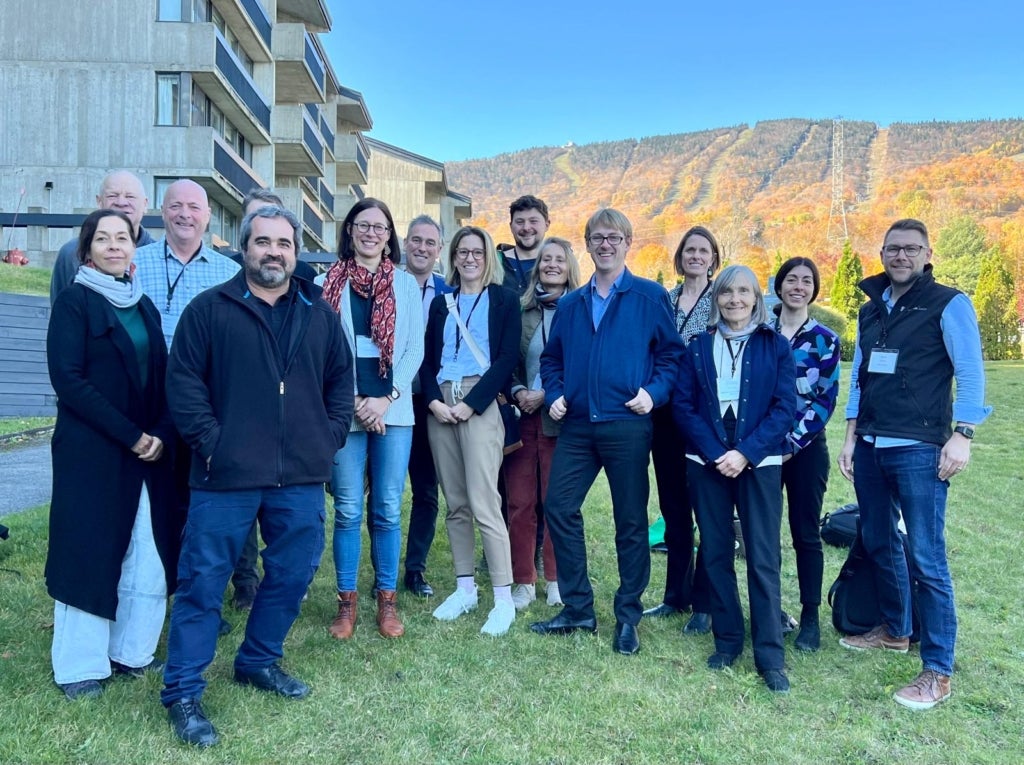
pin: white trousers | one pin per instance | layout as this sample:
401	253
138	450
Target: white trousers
84	644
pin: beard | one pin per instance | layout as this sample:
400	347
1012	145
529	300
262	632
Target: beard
262	275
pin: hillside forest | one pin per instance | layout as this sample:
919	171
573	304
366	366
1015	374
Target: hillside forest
767	194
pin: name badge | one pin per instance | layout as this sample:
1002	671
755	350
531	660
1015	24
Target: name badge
728	389
883	361
366	348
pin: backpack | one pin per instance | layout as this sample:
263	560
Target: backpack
839	528
853	597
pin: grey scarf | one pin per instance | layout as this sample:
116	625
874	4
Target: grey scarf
122	293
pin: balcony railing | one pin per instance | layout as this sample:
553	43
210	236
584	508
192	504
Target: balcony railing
236	172
327	133
258	16
312	142
316	66
241	84
312	220
362	155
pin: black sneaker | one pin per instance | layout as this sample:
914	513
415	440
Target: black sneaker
244	596
809	637
123	669
417	585
84	689
719	660
776	680
699	624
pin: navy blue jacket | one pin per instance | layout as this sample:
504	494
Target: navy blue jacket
261	417
598	371
767	398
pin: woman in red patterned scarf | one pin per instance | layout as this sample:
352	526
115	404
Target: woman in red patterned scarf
380	311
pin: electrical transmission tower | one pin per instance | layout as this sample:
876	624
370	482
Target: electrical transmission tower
836	232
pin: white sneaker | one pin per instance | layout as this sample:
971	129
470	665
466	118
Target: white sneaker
554	596
523	595
499	619
455	605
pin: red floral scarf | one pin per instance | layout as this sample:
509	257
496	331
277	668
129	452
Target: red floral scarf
380	289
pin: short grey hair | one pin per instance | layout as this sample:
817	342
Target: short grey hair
730	275
270	211
262	195
425	220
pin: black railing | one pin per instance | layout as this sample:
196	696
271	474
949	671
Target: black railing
258	16
327	133
240	83
312	142
316	66
327	198
312	220
234	171
361	159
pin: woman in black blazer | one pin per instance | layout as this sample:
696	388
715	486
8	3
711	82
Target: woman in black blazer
114	519
472	347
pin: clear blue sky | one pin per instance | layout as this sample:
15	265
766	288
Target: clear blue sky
457	80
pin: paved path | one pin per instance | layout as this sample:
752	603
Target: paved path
24	476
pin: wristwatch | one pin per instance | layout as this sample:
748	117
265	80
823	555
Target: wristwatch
393	396
967	431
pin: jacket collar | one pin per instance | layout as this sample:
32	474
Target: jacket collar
875	286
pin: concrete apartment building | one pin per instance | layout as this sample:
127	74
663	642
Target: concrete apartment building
230	93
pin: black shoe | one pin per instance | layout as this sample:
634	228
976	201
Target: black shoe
84	689
123	669
788	623
659	547
719	660
273	679
190	724
417	585
699	624
244	596
662	609
564	625
776	680
809	637
626	640
224	628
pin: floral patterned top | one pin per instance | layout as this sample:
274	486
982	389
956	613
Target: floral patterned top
694	323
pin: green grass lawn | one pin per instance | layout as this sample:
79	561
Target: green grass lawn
24	280
9	425
444	693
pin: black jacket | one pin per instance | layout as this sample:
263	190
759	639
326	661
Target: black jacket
102	410
504	325
262	418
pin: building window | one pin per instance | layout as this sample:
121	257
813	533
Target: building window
160	186
232	40
168	99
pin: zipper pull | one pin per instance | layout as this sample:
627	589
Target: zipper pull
282	388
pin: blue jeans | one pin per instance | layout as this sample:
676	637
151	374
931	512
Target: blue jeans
292	523
905	478
387	457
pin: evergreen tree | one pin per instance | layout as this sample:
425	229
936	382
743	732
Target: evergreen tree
846	297
997	318
959	249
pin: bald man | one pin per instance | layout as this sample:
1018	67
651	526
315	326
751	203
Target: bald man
176	268
120	190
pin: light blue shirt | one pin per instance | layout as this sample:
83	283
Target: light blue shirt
158	271
601	303
465	364
963	344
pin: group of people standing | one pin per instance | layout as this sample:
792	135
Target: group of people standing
229	395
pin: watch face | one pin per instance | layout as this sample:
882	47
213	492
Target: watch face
965	430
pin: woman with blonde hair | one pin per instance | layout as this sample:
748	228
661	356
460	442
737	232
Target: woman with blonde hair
556	273
471	348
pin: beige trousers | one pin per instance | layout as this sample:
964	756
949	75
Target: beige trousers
467	457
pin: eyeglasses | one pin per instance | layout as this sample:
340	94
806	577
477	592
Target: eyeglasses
378	228
596	240
464	254
893	250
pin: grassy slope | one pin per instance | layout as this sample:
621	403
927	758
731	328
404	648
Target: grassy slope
443	693
24	280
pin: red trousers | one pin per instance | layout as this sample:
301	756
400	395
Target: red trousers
525	469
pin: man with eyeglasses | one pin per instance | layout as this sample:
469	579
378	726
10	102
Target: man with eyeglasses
528	222
612	356
122	191
422	247
914	337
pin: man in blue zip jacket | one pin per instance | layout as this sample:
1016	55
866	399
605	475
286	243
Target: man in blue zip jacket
260	387
612	356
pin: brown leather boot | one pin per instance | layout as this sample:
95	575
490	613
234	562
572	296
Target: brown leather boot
388	623
344	623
